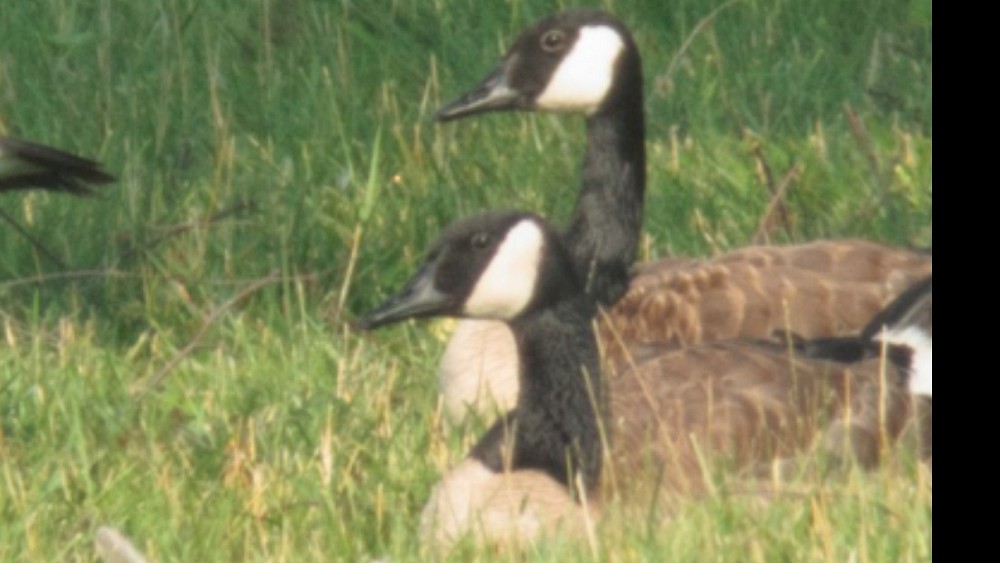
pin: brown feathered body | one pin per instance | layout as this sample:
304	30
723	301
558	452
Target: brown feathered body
744	406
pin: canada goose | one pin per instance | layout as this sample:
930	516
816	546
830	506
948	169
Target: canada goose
586	61
542	464
25	165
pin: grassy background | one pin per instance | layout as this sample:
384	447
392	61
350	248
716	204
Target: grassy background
183	370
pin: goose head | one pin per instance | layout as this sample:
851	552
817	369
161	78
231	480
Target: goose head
500	266
574	61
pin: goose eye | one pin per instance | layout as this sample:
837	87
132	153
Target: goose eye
480	241
553	40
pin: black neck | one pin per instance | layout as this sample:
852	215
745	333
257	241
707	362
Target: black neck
604	232
556	424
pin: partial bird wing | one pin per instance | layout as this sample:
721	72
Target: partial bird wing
26	165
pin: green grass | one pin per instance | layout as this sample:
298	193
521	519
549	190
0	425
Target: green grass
290	142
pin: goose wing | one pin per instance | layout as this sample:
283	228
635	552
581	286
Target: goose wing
745	405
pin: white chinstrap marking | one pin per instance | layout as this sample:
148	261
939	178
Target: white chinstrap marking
585	75
921	365
507	284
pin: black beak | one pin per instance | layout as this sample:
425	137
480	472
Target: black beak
492	94
418	298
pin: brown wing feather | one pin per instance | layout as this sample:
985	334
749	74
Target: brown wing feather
745	405
852	260
819	289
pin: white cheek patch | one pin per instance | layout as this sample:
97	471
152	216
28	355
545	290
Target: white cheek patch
584	76
921	365
507	284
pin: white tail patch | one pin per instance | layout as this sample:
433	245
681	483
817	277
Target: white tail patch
507	284
585	74
921	345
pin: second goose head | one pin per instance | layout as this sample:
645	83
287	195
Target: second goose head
576	61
